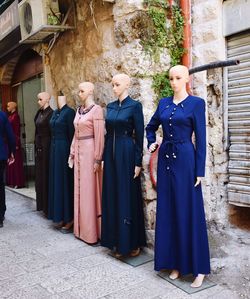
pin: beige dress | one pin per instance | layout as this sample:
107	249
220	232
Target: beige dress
87	147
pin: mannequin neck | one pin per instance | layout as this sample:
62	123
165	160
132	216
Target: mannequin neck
180	96
89	102
45	106
61	101
123	96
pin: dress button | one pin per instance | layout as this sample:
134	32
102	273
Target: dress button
171	135
170	125
172	113
174	109
167	156
168	168
170	117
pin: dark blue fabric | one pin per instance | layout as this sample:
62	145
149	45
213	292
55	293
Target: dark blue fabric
61	182
181	241
122	205
7	146
7	137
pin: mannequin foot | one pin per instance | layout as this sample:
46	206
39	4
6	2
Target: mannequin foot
117	255
174	274
198	281
68	227
135	252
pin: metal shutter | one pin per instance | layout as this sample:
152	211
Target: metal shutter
238	47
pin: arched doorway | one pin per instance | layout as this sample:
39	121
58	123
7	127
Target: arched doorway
27	81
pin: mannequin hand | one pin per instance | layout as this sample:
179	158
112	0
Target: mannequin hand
153	147
198	181
137	171
97	166
11	159
71	161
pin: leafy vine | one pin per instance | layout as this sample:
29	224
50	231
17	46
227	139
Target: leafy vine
164	34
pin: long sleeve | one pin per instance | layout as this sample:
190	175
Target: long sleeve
152	127
98	133
72	147
10	136
139	133
16	128
199	118
70	124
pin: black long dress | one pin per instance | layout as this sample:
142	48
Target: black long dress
122	205
42	148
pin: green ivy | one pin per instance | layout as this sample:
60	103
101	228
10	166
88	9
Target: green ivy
162	35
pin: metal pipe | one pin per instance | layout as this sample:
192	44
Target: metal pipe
213	65
185	7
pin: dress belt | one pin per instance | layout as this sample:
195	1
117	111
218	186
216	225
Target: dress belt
170	147
85	137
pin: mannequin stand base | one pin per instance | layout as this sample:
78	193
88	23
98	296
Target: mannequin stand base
134	261
184	282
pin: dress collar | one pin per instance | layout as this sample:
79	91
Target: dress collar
124	102
182	103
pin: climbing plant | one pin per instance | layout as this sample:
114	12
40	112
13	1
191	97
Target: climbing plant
164	34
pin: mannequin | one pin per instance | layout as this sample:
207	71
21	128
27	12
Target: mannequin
42	147
15	171
179	196
86	154
60	175
122	207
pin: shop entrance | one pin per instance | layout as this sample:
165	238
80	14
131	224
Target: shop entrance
27	81
27	107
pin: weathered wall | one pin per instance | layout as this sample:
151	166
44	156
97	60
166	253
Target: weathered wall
208	45
105	42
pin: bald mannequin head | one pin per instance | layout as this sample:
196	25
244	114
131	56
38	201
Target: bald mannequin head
180	69
43	99
122	77
121	83
179	77
87	85
44	96
11	107
86	92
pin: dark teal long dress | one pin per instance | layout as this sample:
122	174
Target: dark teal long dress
61	185
122	205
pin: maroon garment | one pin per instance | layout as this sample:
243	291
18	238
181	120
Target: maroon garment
15	171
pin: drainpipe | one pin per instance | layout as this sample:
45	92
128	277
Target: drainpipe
185	6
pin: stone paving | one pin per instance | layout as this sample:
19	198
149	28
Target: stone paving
38	262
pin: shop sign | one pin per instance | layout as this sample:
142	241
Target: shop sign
9	20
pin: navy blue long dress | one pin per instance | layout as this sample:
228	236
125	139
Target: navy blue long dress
122	205
61	183
181	241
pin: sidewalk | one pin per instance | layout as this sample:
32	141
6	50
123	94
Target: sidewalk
38	261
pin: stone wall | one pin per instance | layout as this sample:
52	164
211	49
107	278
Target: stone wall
208	45
106	42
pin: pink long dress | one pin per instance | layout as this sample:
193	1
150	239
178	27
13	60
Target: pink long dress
87	146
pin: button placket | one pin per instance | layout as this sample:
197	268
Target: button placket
171	135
